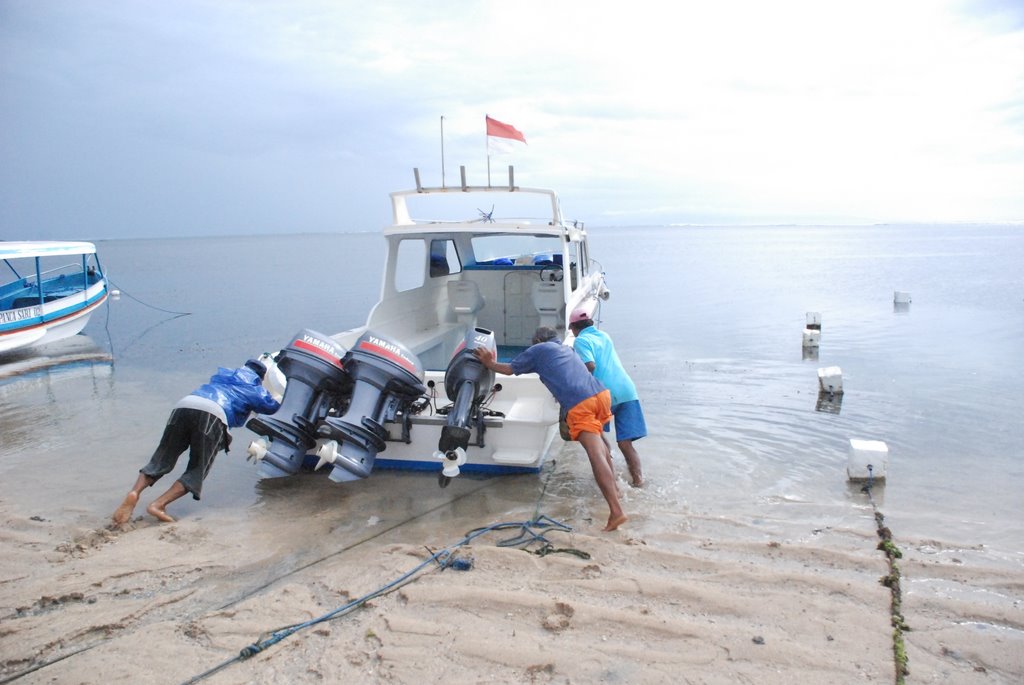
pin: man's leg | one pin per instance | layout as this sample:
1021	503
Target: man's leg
597	452
124	512
173	442
207	438
632	462
158	506
611	463
629	427
608	450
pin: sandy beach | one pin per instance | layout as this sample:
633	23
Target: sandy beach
672	597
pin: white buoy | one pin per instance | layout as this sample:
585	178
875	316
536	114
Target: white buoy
814	321
867	459
115	294
830	380
901	297
812	338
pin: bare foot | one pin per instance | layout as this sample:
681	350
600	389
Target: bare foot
156	511
637	483
614	522
124	512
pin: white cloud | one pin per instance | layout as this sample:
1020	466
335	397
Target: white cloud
637	112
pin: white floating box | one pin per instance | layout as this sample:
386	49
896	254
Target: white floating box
830	380
812	338
814	321
901	297
865	454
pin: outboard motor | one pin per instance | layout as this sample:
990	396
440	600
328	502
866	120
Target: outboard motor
386	378
312	363
467	383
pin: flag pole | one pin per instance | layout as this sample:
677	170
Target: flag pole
487	143
442	151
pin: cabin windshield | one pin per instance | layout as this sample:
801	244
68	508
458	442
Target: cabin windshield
516	249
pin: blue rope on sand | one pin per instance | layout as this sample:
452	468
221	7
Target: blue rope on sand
530	532
527	535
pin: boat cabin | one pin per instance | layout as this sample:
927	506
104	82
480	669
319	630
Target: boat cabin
503	264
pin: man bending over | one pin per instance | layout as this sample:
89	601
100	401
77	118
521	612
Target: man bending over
586	403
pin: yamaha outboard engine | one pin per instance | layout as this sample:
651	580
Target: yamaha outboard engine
467	383
386	378
312	363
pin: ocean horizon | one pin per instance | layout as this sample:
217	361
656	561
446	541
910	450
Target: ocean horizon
375	229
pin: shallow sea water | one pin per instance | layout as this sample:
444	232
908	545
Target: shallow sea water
708	321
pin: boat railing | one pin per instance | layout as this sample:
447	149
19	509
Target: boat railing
64	267
57	281
402	217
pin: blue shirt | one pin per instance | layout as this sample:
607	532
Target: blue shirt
238	392
560	370
596	346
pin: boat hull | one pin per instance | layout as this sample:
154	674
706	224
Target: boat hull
52	321
517	439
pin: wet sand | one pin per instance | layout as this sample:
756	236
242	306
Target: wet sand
672	597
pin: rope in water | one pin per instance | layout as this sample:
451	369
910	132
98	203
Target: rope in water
530	532
106	323
891	581
144	304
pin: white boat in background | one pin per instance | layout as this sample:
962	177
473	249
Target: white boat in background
49	291
465	266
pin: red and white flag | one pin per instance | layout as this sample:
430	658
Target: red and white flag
500	135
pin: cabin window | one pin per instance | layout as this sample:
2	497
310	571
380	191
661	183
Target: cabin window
409	264
444	258
517	249
577	263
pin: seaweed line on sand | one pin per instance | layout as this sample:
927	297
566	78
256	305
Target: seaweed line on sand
892	581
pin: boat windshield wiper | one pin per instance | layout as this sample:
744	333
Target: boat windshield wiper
486	217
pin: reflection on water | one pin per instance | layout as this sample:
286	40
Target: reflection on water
39	386
76	350
829	402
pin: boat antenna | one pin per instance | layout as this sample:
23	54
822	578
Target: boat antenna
442	151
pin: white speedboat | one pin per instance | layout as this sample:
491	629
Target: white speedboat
466	266
49	291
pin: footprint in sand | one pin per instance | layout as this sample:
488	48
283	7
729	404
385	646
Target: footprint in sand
85	543
559	620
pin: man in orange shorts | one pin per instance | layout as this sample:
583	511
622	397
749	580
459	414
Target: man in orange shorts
586	403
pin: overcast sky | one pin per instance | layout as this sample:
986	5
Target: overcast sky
210	117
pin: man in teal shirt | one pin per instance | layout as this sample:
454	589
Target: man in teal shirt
597	351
